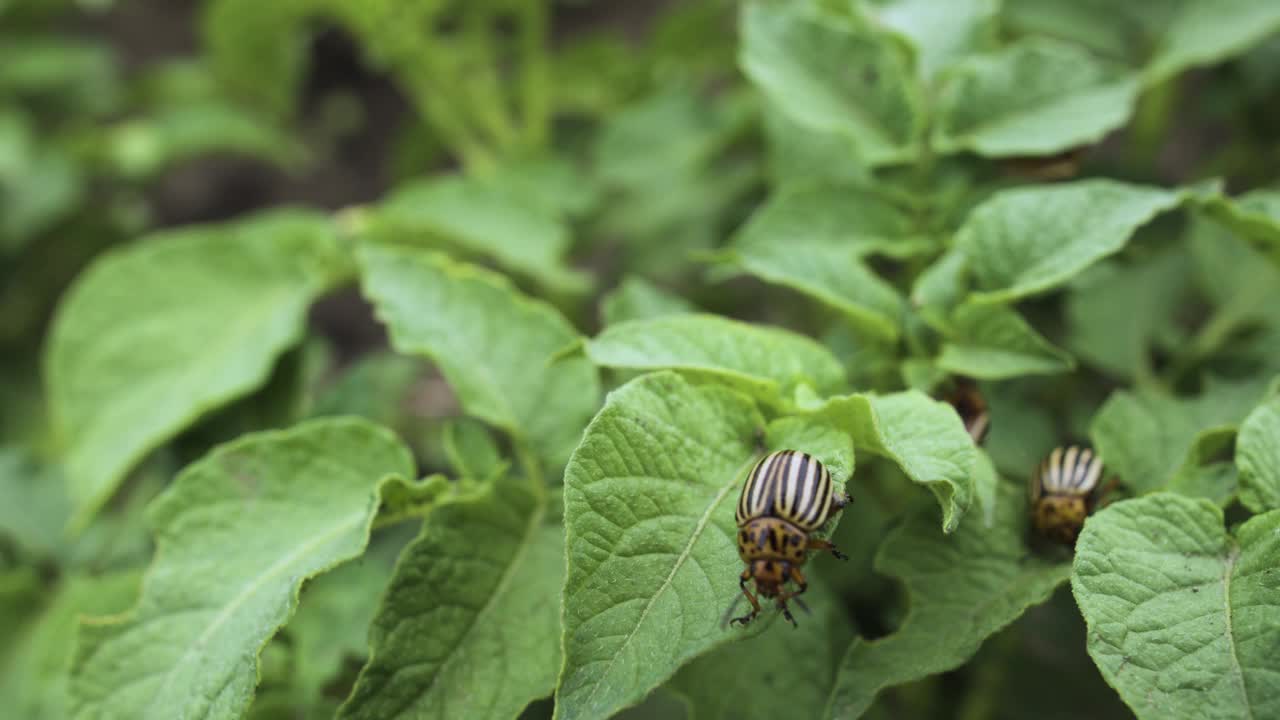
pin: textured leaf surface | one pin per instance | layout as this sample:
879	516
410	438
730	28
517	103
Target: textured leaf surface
963	588
33	684
1036	97
1184	619
492	344
1207	31
924	437
156	334
237	533
765	362
1258	457
1029	240
649	503
993	342
469	626
802	62
484	218
776	674
638	299
1145	437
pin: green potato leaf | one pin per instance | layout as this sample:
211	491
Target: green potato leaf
650	537
922	436
805	63
494	345
993	342
156	334
765	362
1203	32
1146	437
486	218
1258	457
638	299
963	588
1035	97
941	39
237	533
1029	240
469	625
1184	619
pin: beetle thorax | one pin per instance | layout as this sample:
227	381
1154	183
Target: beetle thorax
771	539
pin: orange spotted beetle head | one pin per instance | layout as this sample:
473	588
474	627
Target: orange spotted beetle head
770	576
1060	517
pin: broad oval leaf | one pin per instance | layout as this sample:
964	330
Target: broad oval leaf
494	345
1035	97
156	334
767	363
993	342
484	218
923	436
1208	31
237	533
1028	240
1146	437
638	299
469	625
649	504
831	76
963	587
1184	619
1258	457
941	38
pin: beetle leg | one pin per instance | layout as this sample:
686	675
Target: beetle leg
839	501
755	604
826	545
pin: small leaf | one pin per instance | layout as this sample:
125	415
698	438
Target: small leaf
1035	97
993	342
1145	437
637	299
1202	32
33	503
468	626
940	39
374	387
237	534
922	436
1151	291
649	511
833	77
1258	457
1028	240
1254	215
491	343
33	685
485	218
156	334
765	362
1182	617
471	450
776	674
963	588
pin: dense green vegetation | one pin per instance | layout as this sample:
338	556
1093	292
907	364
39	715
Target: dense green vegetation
405	358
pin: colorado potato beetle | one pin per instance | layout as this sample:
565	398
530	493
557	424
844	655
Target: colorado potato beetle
788	495
1064	492
971	406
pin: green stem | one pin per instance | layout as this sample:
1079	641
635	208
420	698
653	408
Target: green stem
529	463
535	72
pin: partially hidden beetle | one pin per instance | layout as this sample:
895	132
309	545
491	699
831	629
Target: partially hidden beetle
788	495
1064	491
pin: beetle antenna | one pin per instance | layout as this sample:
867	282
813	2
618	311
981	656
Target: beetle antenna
796	599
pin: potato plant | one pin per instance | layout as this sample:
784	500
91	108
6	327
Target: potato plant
406	358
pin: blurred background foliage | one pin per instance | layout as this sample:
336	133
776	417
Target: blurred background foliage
603	153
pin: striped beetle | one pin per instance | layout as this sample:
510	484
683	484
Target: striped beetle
788	495
1063	492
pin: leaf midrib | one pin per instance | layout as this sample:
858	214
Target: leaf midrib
1238	674
666	583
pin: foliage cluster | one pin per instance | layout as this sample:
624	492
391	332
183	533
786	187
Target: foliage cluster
613	271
